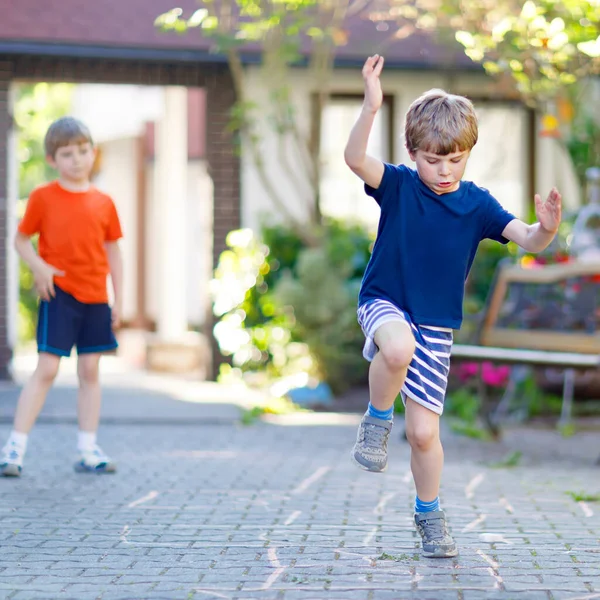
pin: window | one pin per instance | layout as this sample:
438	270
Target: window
342	192
500	160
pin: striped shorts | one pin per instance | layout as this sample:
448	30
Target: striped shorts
427	376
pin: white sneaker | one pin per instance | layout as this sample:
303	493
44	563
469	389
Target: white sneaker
94	460
11	463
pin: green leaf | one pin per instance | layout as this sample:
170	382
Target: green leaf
210	23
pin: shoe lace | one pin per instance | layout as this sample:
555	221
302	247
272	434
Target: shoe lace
374	435
434	529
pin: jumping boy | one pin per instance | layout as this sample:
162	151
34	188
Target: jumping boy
411	296
78	229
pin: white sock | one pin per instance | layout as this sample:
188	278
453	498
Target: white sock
18	439
86	440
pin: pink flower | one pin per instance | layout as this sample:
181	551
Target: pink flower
495	376
467	370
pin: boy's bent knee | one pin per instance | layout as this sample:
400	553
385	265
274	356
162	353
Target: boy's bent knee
396	345
396	356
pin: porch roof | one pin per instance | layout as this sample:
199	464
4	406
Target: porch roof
124	29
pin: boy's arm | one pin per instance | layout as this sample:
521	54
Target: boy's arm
43	273
115	262
369	169
537	237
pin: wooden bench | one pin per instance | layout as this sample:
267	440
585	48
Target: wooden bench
547	316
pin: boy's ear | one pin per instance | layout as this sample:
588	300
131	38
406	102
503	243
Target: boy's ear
412	154
50	160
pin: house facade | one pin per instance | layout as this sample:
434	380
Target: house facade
171	163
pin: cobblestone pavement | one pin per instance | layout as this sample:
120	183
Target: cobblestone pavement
206	508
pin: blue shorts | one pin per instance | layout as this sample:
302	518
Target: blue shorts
427	375
64	322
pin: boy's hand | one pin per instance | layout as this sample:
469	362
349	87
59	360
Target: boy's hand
43	277
371	72
115	313
549	213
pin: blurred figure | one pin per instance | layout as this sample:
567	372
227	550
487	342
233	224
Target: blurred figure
411	296
78	229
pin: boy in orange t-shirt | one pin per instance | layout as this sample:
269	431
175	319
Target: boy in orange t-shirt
78	229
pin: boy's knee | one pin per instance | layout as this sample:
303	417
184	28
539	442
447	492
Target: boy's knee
47	368
421	436
88	373
398	355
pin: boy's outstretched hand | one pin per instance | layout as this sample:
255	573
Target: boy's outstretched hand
371	72
549	213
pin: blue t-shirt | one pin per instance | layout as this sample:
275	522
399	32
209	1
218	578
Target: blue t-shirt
426	244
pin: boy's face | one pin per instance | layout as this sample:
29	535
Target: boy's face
74	162
441	174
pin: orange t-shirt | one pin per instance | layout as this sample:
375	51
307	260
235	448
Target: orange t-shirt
73	228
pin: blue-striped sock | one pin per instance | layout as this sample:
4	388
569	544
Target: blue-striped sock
421	507
386	415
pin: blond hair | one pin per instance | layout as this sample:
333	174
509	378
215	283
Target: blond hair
65	131
441	123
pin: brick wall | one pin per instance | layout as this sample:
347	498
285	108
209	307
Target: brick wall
222	159
5	125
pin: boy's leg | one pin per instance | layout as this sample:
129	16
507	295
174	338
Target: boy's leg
426	463
89	399
56	332
396	346
89	396
387	372
427	454
29	405
34	392
96	336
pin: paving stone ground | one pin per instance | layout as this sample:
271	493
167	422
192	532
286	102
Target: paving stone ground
204	507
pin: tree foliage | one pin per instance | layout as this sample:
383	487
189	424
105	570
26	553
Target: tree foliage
36	106
283	33
544	45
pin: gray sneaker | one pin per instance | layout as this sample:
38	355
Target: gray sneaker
370	450
437	541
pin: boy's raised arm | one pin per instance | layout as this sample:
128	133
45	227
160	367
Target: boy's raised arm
369	169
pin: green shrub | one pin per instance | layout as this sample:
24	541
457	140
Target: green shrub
286	308
323	297
28	303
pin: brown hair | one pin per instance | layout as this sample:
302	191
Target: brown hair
65	131
441	123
